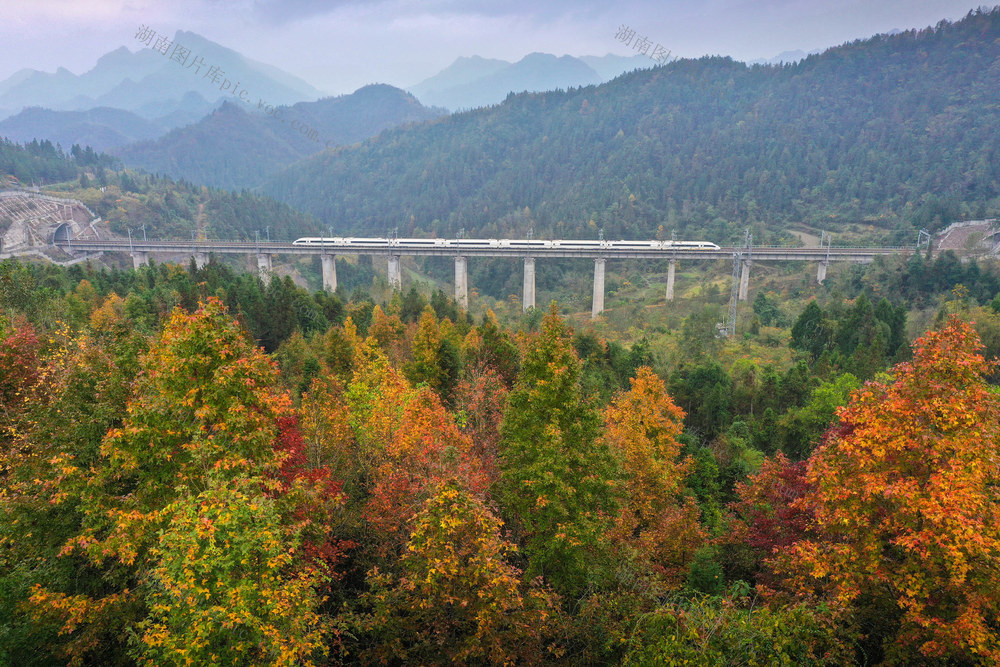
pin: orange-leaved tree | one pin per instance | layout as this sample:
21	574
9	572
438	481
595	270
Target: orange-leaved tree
19	367
480	399
428	450
907	501
641	427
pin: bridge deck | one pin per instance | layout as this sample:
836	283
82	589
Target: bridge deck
287	248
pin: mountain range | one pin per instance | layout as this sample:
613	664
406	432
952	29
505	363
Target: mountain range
472	82
101	128
151	84
160	115
235	148
895	130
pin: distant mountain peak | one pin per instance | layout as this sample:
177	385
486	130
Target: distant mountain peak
112	56
213	150
474	81
149	83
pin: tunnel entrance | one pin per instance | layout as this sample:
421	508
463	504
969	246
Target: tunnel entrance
63	234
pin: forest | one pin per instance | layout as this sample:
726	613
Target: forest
197	467
235	150
164	207
897	131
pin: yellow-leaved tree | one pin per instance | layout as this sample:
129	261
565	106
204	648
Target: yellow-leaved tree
456	599
185	514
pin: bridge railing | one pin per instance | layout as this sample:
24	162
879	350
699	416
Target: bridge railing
274	242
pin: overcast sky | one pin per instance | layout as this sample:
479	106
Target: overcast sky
340	45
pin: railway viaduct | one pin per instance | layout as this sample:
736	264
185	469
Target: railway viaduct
393	249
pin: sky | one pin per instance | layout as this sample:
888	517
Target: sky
341	45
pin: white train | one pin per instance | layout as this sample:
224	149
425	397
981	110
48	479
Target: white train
527	244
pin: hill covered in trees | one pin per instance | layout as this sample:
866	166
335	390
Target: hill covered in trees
41	162
898	130
235	148
127	198
100	128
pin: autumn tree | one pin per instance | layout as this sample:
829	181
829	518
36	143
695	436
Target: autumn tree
311	494
434	357
388	332
908	504
428	450
480	400
771	513
339	347
557	479
78	389
641	427
19	367
226	587
489	346
326	428
204	416
375	400
456	598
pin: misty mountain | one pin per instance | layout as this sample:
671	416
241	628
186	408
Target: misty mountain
100	128
894	130
462	72
16	78
236	148
190	108
611	66
152	84
476	82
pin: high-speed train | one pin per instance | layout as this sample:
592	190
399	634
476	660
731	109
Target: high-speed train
527	244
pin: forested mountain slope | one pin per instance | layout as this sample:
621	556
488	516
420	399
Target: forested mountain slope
100	128
897	129
238	148
126	199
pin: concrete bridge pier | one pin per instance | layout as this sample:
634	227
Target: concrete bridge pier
200	259
597	306
329	273
139	259
529	283
462	282
395	275
671	267
821	272
744	279
264	267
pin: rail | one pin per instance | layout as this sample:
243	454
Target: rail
390	247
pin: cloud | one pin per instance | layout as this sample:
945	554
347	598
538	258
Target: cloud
281	12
